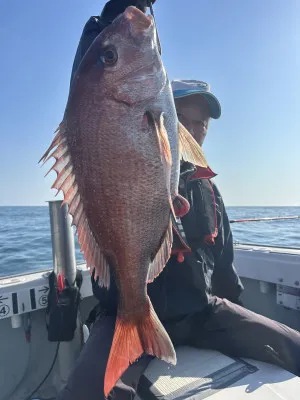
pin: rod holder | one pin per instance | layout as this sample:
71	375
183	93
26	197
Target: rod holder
62	237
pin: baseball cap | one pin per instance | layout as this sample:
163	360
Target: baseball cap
183	88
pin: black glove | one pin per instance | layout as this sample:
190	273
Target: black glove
115	7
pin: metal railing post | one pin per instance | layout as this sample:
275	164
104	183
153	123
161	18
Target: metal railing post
62	237
64	263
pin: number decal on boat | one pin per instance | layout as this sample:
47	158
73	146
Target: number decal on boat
4	310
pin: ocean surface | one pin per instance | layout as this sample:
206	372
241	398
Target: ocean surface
25	240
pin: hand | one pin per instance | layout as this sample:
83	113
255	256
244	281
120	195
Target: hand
141	4
115	7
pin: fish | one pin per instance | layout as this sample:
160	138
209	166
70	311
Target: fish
117	158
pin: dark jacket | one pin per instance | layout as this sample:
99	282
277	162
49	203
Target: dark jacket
184	287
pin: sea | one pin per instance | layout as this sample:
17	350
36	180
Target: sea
25	239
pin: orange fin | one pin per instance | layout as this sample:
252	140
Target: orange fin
133	339
166	154
190	150
164	145
66	182
162	256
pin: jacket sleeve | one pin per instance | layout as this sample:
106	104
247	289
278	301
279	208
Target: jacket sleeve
225	280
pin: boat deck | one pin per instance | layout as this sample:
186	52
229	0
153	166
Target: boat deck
202	374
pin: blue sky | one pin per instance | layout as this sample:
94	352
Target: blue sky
247	50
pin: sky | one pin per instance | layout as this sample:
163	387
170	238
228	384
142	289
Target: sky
248	50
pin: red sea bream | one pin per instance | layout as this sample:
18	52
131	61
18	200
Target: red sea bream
117	153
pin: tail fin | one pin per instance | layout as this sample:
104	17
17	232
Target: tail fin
133	339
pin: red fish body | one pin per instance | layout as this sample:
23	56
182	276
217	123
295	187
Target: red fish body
117	163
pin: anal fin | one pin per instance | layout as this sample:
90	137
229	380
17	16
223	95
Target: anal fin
162	256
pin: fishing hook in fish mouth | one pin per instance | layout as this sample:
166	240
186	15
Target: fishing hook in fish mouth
152	13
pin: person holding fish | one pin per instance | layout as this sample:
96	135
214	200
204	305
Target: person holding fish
151	223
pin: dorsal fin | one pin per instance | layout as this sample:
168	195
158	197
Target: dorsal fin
66	182
162	256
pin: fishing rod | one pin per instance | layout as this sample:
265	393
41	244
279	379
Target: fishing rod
264	219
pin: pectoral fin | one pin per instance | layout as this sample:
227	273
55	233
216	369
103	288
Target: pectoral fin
165	152
189	149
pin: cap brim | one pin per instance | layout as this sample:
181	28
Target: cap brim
213	102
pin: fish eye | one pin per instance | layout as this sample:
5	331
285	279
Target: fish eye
109	56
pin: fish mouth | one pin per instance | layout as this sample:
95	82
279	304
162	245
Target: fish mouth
139	22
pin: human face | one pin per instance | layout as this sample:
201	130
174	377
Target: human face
193	113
